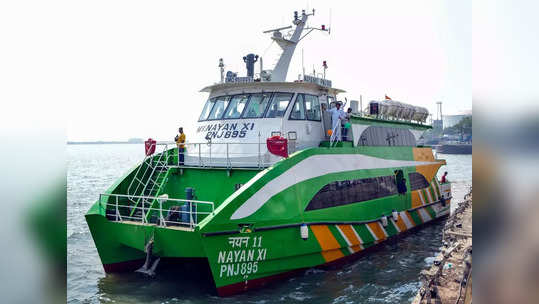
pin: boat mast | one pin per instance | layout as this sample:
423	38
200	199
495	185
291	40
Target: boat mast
288	45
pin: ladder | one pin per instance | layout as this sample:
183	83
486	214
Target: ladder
147	182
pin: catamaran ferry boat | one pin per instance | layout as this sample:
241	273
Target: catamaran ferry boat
269	185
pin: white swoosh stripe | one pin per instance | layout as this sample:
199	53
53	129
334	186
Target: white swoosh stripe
315	166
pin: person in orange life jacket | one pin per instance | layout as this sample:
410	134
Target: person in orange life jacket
180	142
444	178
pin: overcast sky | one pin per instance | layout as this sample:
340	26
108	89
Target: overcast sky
137	67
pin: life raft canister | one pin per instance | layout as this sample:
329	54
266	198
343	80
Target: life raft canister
277	145
149	146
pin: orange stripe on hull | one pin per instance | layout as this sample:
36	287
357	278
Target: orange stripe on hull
332	255
329	244
356	248
416	200
376	228
400	223
350	235
423	154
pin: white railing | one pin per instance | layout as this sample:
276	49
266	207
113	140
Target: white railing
192	209
336	134
340	133
229	155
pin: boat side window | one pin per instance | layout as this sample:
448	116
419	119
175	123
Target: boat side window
417	181
236	106
298	110
279	104
331	101
312	106
257	105
206	110
219	107
346	192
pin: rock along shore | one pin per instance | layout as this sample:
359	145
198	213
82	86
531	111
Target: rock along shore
449	279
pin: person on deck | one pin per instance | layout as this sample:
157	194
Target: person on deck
180	142
336	116
400	181
346	124
444	178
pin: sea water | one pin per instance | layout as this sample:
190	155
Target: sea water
388	275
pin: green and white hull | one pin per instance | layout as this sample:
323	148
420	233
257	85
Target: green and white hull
254	233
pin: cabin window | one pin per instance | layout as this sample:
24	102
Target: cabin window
306	107
298	110
257	105
279	104
331	101
312	107
206	110
219	107
417	181
346	192
236	106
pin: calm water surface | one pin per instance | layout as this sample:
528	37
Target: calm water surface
389	275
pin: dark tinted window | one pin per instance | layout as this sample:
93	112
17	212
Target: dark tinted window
345	192
417	181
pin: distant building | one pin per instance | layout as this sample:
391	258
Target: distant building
438	125
451	120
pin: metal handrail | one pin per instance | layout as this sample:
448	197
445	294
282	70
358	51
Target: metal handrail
226	158
150	164
150	158
163	223
334	138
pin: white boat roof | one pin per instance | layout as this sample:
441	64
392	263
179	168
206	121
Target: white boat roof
270	86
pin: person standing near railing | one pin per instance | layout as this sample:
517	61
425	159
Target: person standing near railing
336	115
346	124
444	178
180	142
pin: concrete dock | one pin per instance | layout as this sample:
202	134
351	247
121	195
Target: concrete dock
449	280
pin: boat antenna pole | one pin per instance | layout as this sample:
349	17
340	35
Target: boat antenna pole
302	63
222	69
